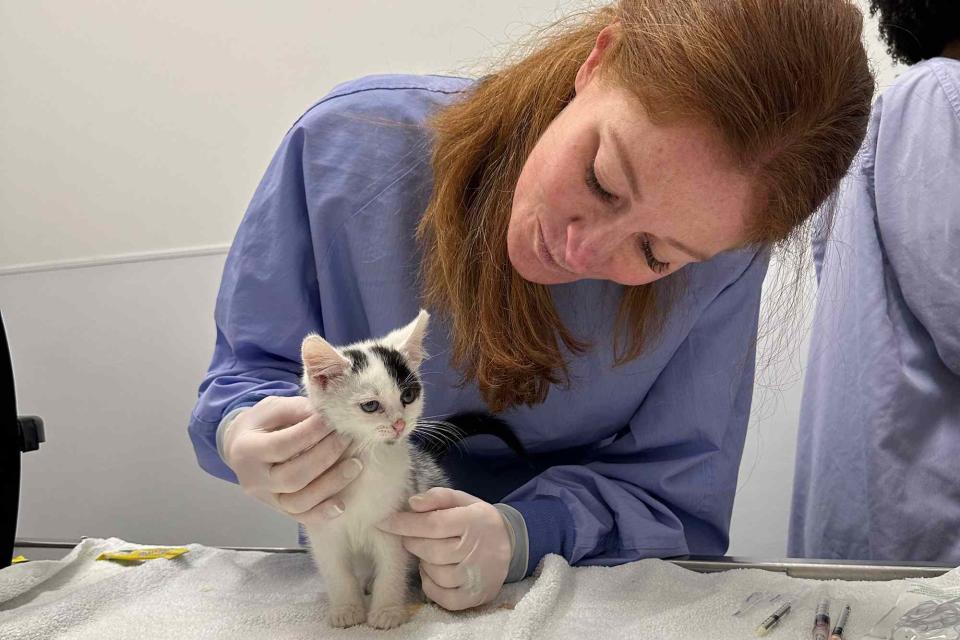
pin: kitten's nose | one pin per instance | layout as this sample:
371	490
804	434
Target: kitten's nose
398	426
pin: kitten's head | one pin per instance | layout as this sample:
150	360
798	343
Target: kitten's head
370	390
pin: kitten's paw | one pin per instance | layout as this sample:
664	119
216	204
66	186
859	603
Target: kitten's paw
388	617
346	615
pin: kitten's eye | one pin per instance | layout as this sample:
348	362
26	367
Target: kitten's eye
408	396
371	406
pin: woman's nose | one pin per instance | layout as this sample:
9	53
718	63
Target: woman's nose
591	245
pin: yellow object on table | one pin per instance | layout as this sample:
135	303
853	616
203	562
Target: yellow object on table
145	553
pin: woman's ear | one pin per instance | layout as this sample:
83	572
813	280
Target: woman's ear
588	70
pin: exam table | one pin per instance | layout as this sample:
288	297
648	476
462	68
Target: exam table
212	592
46	549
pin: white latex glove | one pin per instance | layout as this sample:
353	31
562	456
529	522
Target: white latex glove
463	546
285	455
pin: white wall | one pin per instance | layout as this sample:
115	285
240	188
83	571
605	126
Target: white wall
144	126
140	130
110	357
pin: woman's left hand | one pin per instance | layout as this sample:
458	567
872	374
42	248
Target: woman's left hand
462	542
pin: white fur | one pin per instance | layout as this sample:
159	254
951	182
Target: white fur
345	546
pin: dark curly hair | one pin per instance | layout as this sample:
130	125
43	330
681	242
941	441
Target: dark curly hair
915	30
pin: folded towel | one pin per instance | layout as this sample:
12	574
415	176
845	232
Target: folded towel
214	593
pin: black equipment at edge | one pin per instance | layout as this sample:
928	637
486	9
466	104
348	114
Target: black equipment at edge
18	434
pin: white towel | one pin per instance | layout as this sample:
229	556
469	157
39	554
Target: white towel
214	593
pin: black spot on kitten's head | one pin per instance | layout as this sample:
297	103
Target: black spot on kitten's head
396	366
358	358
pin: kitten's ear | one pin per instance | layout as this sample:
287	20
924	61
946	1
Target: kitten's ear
409	339
321	362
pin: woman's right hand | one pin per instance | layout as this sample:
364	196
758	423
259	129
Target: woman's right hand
287	456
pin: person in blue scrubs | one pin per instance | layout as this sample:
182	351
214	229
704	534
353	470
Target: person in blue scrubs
606	165
877	473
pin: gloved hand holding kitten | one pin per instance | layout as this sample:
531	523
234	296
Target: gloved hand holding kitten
287	456
462	542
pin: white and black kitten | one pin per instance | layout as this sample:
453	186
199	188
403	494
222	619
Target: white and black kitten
371	391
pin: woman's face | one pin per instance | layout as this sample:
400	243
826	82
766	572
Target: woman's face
606	194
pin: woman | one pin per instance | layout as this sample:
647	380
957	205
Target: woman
590	225
877	448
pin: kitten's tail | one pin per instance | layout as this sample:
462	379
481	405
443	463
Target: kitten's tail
465	425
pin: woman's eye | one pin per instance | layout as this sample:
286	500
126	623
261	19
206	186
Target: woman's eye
596	187
370	407
655	265
408	396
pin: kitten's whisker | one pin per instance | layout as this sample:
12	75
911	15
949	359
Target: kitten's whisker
436	417
426	432
444	432
433	420
445	427
440	423
453	435
432	437
425	374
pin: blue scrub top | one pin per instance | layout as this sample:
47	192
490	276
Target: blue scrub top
637	461
878	455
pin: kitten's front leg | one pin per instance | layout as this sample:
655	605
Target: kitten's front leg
390	604
346	597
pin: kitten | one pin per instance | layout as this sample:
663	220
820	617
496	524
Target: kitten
371	391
